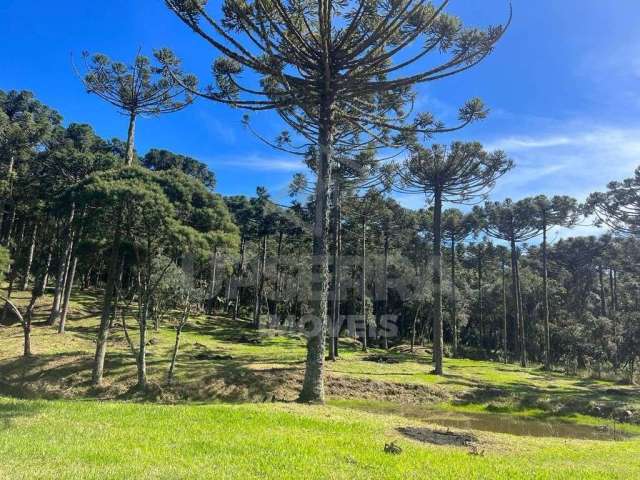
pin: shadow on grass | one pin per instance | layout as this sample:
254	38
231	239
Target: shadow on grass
10	411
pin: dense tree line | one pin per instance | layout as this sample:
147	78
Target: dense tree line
344	259
73	209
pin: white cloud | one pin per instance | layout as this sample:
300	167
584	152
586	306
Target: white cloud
575	161
259	163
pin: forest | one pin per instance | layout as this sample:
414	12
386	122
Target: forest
127	277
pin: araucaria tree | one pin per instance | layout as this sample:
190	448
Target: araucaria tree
462	173
339	73
135	90
512	222
557	211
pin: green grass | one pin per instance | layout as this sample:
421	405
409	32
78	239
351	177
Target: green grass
72	439
214	427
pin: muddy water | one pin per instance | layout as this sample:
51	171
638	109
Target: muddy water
498	423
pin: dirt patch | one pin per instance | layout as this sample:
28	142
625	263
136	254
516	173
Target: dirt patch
381	359
363	388
439	437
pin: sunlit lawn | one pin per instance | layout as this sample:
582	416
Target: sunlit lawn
85	438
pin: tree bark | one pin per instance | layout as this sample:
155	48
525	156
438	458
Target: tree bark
67	294
363	287
603	296
545	287
523	332
105	318
481	304
438	341
337	267
260	282
313	385
236	307
505	345
516	296
454	302
32	249
212	282
62	270
174	355
131	139
385	280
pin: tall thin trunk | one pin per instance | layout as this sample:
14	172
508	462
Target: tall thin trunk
545	287
454	302
363	287
131	139
505	346
612	291
603	295
278	286
212	281
174	355
481	304
70	276
67	294
47	267
338	284
63	268
236	307
385	281
32	249
523	330
516	297
105	318
142	346
313	385
413	329
3	198
335	310
260	282
438	341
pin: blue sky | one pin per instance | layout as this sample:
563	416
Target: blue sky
563	87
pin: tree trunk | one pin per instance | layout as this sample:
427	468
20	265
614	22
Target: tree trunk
212	282
67	294
413	330
505	346
516	297
278	286
481	305
363	287
335	311
438	341
313	385
454	303
385	280
131	139
47	267
236	307
63	268
523	332
105	318
32	249
603	296
142	347
260	282
174	355
545	287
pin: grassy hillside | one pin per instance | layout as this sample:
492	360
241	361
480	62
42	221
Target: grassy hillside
230	412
